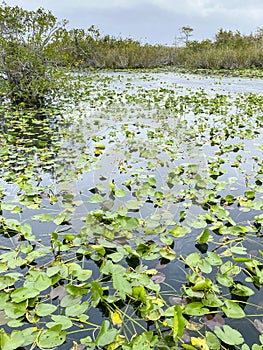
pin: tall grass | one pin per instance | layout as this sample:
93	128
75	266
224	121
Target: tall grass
229	50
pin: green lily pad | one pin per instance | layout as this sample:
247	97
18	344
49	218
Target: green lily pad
229	335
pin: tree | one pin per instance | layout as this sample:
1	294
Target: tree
259	37
186	31
27	55
229	39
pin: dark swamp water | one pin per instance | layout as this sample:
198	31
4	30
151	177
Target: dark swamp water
169	165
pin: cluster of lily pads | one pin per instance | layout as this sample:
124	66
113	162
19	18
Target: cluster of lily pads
134	218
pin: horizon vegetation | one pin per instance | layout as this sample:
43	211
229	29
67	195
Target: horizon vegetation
37	51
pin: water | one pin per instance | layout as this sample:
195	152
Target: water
125	144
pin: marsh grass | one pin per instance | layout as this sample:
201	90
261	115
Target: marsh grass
229	50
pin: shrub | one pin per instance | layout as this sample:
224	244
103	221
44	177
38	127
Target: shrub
27	67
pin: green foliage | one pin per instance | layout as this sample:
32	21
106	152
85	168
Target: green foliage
229	335
27	59
90	48
229	50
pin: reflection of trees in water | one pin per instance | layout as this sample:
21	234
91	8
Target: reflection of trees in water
38	142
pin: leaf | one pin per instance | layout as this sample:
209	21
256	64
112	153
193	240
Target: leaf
15	323
255	347
242	290
129	223
117	343
203	237
213	259
250	194
100	146
238	250
37	280
23	293
245	347
180	231
13	224
197	224
51	338
88	342
106	335
64	321
200	343
220	212
6	281
133	204
167	253
121	284
139	293
179	322
83	275
233	310
43	217
12	341
224	279
26	231
29	335
195	309
15	310
188	347
212	341
77	290
70	300
45	309
120	192
53	270
229	335
60	218
96	198
77	309
193	259
116	257
167	240
151	311
201	283
97	293
211	300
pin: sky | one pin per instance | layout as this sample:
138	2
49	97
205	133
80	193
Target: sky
155	21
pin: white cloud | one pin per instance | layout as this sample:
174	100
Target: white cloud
81	4
193	7
205	8
157	20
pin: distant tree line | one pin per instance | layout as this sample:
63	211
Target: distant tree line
36	51
228	50
89	48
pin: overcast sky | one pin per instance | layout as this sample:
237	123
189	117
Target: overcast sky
155	21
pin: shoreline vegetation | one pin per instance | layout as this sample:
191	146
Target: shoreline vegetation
37	52
229	50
